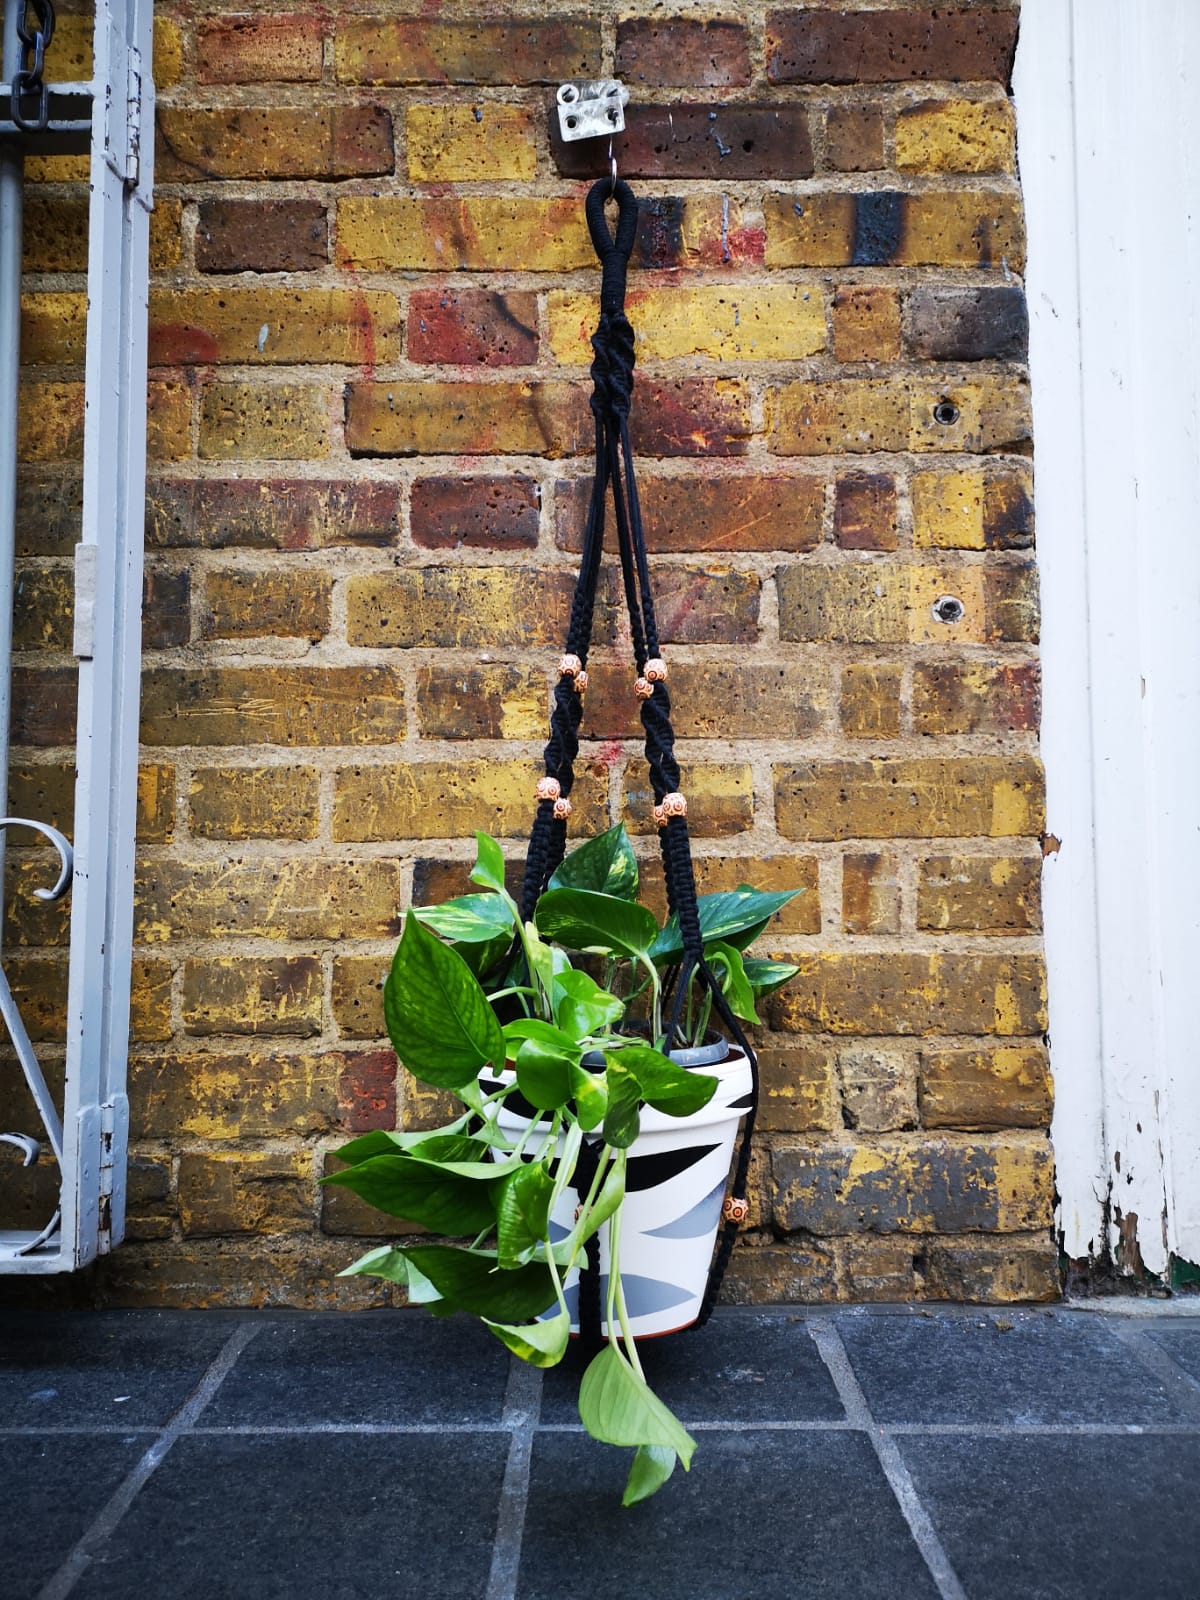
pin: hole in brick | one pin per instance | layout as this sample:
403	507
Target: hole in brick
949	609
945	412
747	145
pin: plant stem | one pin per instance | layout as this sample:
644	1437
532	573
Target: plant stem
616	1291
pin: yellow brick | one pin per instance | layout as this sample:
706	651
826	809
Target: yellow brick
53	329
898	797
69	57
720	799
877	604
286	704
462	234
265	898
416	419
168	421
166	235
150	1001
168	53
292	603
254	802
155	804
447	799
870	893
272	326
470	143
50	422
273	995
258	421
57	169
862	415
949	228
870	703
482	702
956	136
245	1191
749	324
866	324
457	608
261	1092
42	608
948	510
358	995
1006	1087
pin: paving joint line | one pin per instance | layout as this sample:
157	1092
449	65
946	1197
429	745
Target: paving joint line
104	1524
1161	1363
833	1353
522	1410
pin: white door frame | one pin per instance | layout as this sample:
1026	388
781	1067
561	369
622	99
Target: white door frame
1108	112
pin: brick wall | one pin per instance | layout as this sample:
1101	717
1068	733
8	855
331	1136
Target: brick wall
372	289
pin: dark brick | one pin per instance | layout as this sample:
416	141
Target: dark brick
473	326
269	513
976	697
262	236
270	49
696	141
478	513
435	880
166	609
433	49
49	514
710	606
43	706
1007	514
951	324
677	50
822	46
710	513
854	138
864	512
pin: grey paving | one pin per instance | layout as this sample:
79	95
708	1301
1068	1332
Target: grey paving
1055	1517
761	1516
1008	1366
956	1452
52	1488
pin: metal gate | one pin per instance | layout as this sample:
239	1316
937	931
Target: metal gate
105	118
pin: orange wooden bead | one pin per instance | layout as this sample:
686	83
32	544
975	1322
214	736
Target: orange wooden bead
548	789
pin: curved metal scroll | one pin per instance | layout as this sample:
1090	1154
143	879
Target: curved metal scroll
20	1038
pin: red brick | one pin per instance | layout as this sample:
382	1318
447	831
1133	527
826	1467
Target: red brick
714	140
270	513
709	513
472	326
262	236
691	417
864	511
671	51
866	324
433	49
821	46
263	49
367	1089
273	142
478	513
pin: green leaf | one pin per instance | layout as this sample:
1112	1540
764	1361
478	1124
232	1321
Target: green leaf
542	1344
420	1191
544	1073
723	916
621	1120
582	1007
584	920
652	1465
734	984
489	862
485	959
392	1265
663	1083
546	1033
590	1093
764	977
470	1280
606	864
438	1018
470	919
618	1407
522	1213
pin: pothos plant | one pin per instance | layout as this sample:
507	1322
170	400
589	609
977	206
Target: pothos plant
566	1011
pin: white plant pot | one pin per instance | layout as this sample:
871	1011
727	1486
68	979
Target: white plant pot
677	1171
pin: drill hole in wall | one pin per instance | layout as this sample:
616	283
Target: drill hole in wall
945	412
949	609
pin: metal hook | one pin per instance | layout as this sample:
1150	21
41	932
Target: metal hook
612	161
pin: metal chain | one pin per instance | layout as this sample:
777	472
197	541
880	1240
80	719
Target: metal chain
27	80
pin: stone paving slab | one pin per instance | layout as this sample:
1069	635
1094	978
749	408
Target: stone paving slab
961	1452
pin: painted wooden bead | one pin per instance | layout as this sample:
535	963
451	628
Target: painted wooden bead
735	1209
656	670
642	689
580	681
674	805
571	665
548	789
562	809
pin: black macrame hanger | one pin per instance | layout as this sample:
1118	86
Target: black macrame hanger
612	389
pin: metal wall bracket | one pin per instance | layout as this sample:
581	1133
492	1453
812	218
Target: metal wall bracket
592	108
